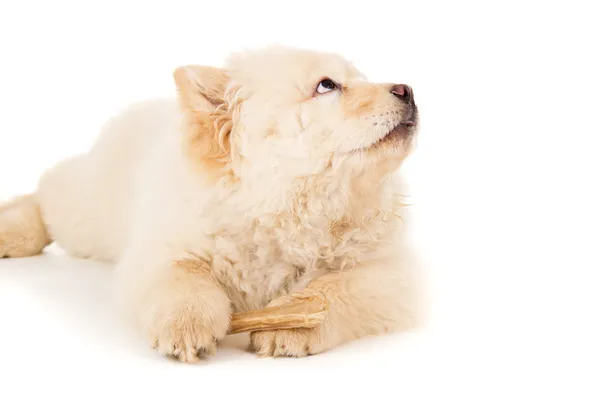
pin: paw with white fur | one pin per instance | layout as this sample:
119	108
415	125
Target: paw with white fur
186	314
185	333
288	342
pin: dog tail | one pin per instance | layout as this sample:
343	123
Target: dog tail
22	229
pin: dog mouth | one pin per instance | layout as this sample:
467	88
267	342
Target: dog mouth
403	126
400	134
403	130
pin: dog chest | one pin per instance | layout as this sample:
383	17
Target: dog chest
271	259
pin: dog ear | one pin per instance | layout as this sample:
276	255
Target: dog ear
207	124
201	88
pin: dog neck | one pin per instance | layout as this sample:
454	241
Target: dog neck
332	197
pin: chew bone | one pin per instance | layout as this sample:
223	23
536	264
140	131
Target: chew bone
301	312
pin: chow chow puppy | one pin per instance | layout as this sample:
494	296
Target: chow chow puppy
270	178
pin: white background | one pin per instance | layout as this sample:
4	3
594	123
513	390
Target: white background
504	192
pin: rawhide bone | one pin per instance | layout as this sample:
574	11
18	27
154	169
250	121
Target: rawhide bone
302	312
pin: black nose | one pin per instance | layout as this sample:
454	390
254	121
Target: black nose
404	92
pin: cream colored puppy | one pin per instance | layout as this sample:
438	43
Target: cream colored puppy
270	178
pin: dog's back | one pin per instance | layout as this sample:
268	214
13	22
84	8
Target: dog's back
87	200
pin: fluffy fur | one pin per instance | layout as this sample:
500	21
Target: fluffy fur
249	189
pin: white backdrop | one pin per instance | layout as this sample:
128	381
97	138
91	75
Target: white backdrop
504	191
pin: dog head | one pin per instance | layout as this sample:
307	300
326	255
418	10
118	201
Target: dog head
277	115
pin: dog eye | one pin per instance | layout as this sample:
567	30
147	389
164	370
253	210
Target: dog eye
325	86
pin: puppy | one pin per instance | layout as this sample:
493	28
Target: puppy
265	180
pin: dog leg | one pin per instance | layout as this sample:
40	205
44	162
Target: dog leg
22	230
367	300
183	310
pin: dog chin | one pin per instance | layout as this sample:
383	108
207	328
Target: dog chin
401	132
399	135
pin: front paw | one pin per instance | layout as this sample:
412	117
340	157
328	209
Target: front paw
288	342
186	315
185	332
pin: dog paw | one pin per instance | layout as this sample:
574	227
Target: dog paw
184	335
287	342
186	316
